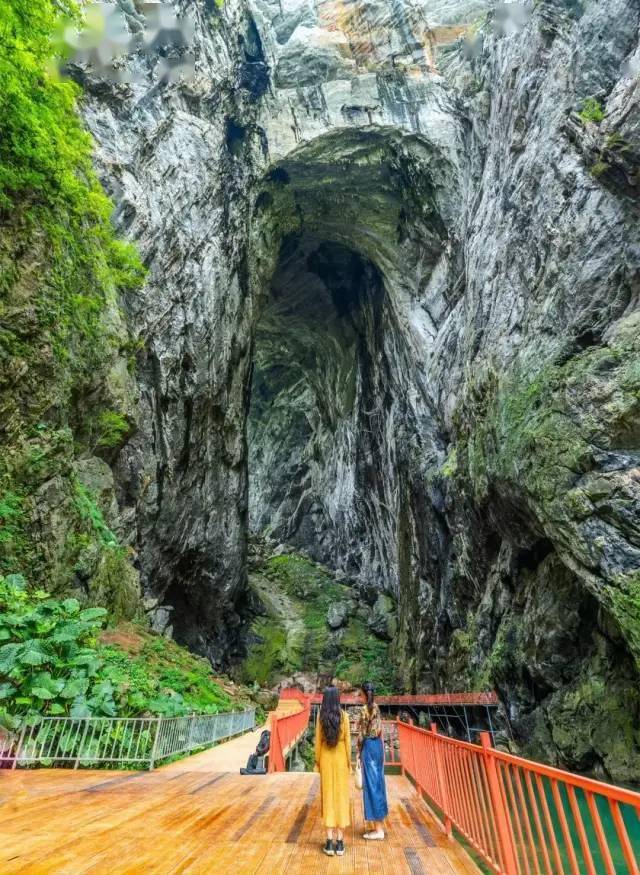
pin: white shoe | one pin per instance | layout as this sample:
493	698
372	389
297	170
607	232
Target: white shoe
374	836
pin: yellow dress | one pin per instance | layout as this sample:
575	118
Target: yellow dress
334	765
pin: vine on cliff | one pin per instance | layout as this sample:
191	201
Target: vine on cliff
62	272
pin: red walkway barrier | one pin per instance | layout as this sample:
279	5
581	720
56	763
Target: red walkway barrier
287	730
523	817
426	699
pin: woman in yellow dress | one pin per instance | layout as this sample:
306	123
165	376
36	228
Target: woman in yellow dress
333	761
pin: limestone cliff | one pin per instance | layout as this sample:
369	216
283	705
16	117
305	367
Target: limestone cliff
391	318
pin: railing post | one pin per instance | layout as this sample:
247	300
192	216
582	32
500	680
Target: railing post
81	745
499	808
442	783
18	748
154	749
273	743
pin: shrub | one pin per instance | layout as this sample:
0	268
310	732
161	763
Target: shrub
592	111
53	663
111	428
48	663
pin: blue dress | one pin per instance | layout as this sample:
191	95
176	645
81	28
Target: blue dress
374	789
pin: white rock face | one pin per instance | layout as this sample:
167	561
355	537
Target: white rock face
393	213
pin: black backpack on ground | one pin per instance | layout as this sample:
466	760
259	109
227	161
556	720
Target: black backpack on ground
255	763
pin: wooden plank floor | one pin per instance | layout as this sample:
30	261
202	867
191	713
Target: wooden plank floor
60	821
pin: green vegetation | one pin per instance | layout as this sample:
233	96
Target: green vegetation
450	465
46	176
534	433
592	111
296	637
624	604
268	656
62	274
598	169
55	660
12	536
527	427
91	515
615	142
111	428
365	657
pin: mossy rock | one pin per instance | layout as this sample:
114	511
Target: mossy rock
116	585
351	653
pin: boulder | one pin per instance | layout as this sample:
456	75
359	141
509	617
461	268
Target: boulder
338	614
383	620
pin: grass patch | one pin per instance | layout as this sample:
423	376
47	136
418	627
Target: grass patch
592	111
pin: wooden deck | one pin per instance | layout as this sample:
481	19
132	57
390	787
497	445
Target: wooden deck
172	821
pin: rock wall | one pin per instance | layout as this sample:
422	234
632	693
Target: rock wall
409	224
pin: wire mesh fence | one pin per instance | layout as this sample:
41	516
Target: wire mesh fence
137	742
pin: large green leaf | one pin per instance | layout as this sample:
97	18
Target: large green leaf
31	653
80	709
9	657
43	693
15	620
68	632
103	689
93	614
6	691
55	709
74	688
16	581
71	606
88	659
44	679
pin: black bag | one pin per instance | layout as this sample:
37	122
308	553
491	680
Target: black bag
255	763
263	745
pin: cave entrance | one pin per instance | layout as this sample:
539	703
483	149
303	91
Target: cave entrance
347	250
318	361
347	232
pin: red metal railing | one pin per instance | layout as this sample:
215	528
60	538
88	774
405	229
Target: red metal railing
289	693
287	730
522	817
430	699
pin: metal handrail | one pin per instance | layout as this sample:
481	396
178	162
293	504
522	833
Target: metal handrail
286	732
471	699
121	741
522	817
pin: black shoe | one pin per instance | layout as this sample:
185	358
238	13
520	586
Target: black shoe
328	848
339	848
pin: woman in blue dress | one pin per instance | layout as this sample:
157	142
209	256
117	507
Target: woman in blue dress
371	752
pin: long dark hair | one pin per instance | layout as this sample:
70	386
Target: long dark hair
367	689
330	715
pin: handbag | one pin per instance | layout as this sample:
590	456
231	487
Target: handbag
358	774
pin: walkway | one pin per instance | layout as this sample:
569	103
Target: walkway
62	822
230	756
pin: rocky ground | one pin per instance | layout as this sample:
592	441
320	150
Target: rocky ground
309	629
